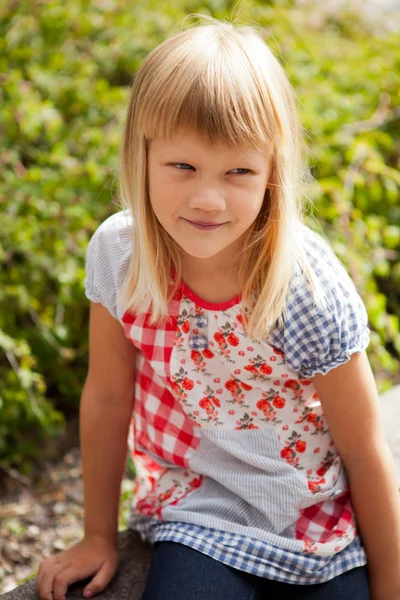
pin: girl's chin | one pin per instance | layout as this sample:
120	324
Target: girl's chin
201	255
204	250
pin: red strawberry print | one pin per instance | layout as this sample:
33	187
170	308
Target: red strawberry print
287	453
186	326
175	387
233	340
314	485
166	495
312	417
205	403
239	317
266	369
246	387
251	368
262	404
187	384
196	482
292	384
231	385
300	446
219	338
207	353
279	402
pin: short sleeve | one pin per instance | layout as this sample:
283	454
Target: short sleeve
317	340
107	260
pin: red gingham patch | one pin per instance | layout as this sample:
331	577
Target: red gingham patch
327	520
160	425
155	342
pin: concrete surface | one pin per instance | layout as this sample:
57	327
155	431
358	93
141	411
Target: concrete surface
390	410
128	584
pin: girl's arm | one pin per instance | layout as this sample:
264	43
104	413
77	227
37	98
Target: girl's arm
105	414
350	401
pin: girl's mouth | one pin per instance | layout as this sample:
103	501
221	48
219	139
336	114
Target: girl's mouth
204	227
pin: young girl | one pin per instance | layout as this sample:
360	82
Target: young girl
262	467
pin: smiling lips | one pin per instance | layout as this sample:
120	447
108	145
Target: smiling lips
205	225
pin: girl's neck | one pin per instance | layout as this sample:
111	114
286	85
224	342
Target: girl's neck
214	286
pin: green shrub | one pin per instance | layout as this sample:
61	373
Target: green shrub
65	72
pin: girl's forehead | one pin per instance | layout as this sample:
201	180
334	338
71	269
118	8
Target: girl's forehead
187	140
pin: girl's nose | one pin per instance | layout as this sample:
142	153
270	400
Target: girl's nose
208	199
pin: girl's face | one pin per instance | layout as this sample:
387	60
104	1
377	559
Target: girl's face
191	181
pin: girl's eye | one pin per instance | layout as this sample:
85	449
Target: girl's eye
242	171
183	166
187	167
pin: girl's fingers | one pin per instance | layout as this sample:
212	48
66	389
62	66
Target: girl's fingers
48	564
63	580
102	578
46	583
72	574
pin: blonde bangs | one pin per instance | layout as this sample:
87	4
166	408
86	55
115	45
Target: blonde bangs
207	83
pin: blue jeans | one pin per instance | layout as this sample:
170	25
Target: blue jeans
178	572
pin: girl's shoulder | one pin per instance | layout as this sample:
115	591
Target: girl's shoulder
115	229
316	338
107	260
318	249
331	273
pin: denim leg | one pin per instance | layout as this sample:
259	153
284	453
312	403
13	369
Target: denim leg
352	585
177	572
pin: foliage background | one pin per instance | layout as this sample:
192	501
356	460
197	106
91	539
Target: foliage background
65	73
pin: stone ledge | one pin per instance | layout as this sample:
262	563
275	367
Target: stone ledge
128	583
390	411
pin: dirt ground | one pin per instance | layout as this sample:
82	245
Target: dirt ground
37	520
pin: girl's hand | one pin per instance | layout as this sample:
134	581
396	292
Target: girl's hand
94	555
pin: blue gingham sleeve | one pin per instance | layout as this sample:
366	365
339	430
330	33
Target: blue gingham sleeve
317	340
107	259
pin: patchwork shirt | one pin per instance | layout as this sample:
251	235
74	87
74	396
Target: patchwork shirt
232	450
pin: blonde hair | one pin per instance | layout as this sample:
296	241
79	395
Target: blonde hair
222	81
